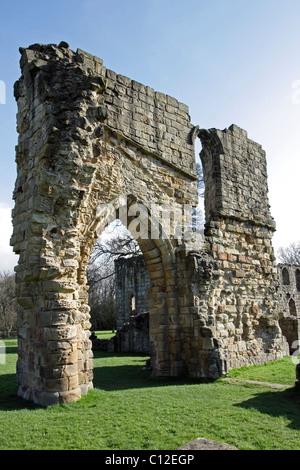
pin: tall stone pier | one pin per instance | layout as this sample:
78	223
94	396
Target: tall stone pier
93	146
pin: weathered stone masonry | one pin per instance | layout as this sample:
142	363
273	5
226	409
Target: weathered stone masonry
289	298
132	277
88	136
235	282
131	290
131	286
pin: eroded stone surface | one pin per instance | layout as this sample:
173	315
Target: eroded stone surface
90	137
289	298
206	444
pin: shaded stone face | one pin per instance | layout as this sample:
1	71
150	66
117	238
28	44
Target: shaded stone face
93	146
131	287
289	301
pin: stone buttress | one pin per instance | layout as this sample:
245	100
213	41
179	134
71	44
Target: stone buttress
233	280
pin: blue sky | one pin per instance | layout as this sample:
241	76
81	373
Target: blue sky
231	61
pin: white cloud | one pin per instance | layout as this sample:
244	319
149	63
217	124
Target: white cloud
7	258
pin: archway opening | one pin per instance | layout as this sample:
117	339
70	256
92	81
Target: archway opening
199	212
119	281
158	255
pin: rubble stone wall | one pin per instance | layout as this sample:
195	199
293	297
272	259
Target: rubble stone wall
91	142
131	287
234	282
132	336
88	137
289	299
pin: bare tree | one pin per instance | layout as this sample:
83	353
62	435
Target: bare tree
102	302
8	304
198	216
200	179
290	254
115	242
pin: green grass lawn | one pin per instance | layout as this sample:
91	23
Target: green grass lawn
129	410
104	334
277	372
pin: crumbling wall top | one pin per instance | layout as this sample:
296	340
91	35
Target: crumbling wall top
148	119
235	174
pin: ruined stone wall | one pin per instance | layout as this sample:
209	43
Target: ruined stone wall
91	142
234	281
289	301
132	336
235	173
289	281
88	137
131	287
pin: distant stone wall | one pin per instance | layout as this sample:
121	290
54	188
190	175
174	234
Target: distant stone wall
132	282
289	298
132	336
289	280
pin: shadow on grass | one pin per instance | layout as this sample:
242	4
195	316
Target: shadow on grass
9	400
129	376
108	377
11	349
275	403
284	403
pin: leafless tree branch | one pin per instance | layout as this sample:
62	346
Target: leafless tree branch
290	254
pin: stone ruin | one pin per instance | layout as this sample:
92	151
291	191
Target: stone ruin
89	141
132	280
289	301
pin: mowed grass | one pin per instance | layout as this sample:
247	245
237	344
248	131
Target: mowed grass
129	410
277	372
104	334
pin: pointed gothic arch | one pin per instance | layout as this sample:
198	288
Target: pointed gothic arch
292	307
285	277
